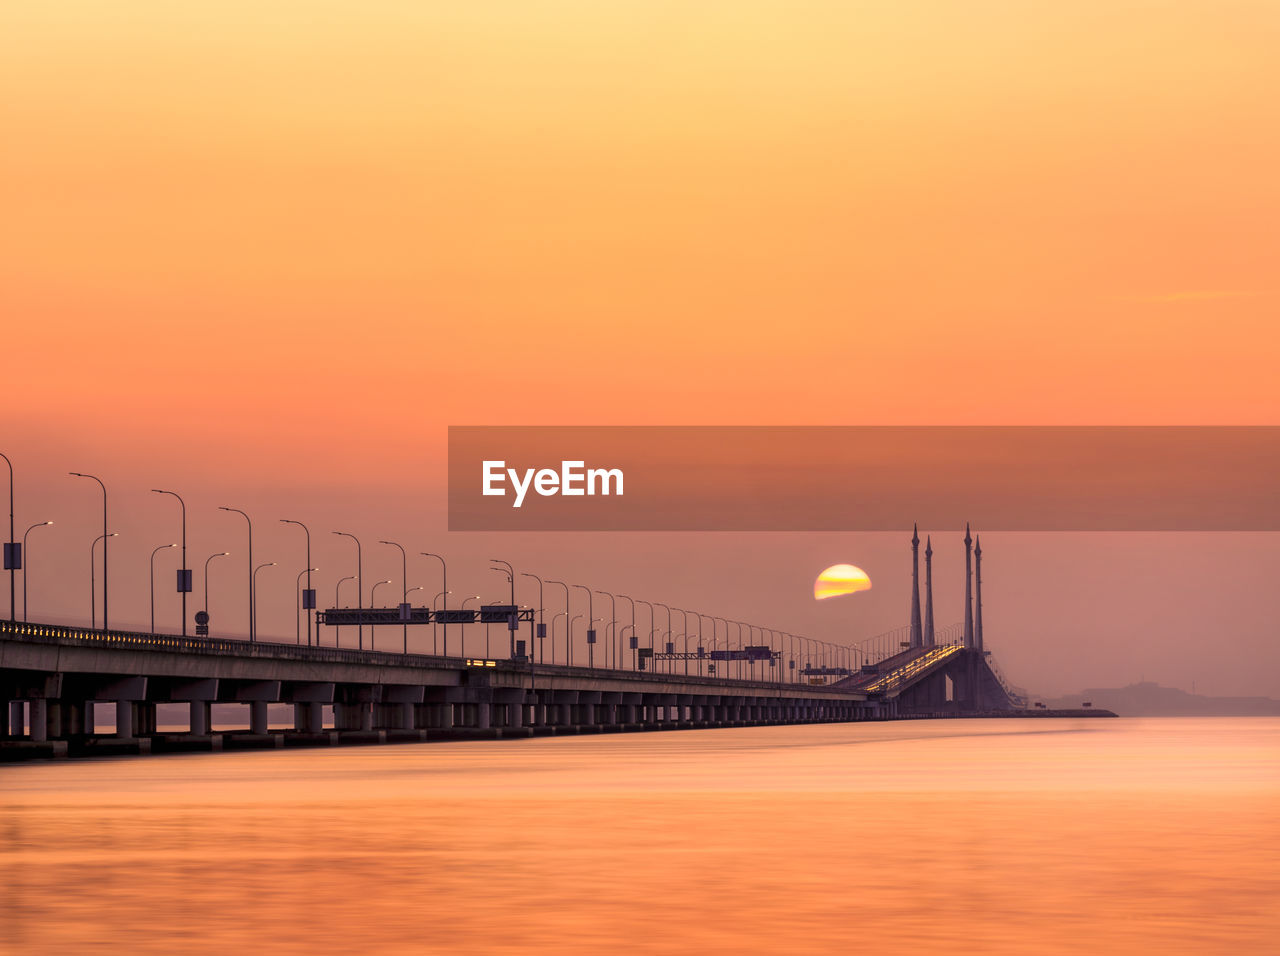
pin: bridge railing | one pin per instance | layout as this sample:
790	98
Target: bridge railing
143	641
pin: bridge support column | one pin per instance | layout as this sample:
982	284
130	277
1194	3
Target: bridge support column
38	718
308	718
124	719
201	717
257	716
483	714
144	721
17	717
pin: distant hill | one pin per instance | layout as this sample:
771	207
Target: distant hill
1148	699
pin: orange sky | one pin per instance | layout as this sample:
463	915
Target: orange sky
234	233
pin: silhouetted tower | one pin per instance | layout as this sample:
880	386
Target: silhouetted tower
977	581
915	587
968	587
928	592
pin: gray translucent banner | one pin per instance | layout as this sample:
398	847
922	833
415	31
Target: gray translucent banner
864	478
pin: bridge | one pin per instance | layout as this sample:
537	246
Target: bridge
52	677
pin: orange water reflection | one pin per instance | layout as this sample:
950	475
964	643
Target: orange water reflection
957	836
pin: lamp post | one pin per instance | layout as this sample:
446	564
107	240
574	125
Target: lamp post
569	627
373	628
220	554
270	564
651	626
26	565
404	587
308	598
713	633
444	589
359	587
337	602
163	547
542	621
741	646
435	648
184	576
105	622
462	641
591	634
613	620
510	572
555	617
93	584
684	633
252	630
297	606
14	561
634	636
568	653
668	610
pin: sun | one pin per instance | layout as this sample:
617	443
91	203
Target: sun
840	579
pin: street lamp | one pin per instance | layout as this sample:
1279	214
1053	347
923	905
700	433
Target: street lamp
444	586
435	649
568	652
591	634
220	554
373	628
359	587
462	641
542	622
668	610
184	576
163	547
270	564
337	602
651	626
713	635
252	603
297	606
510	572
308	600
634	636
684	633
613	618
105	624
404	587
93	585
26	567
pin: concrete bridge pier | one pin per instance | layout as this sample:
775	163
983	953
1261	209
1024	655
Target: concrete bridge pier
17	714
308	717
257	716
39	718
610	705
630	704
144	718
590	710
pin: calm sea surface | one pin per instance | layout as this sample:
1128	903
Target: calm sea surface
990	836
